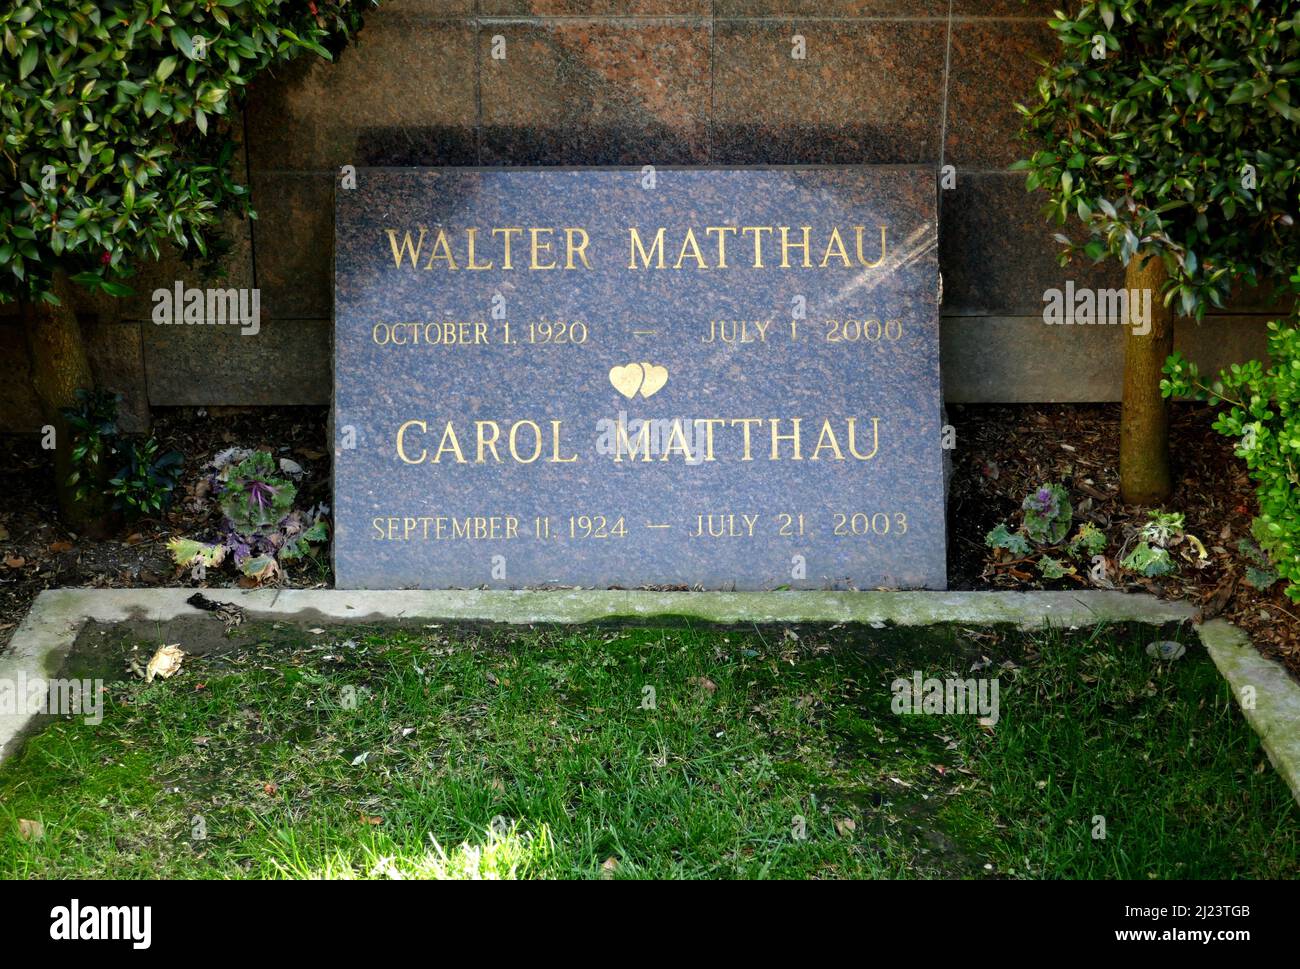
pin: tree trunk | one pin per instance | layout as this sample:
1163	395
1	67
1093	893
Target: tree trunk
1144	424
59	368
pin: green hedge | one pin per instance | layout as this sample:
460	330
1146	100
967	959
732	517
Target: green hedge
114	118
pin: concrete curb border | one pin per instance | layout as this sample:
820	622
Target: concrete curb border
46	635
1275	711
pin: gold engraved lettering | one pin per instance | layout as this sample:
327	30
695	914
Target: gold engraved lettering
656	249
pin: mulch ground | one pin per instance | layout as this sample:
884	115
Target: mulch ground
37	553
1003	453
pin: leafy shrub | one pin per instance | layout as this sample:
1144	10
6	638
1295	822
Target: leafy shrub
1168	126
145	479
1259	406
107	109
93	423
146	483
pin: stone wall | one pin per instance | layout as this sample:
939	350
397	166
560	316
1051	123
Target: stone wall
666	82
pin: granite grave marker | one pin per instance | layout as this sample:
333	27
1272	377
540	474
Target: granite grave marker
683	377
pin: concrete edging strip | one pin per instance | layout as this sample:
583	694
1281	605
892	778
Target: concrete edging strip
1273	707
52	625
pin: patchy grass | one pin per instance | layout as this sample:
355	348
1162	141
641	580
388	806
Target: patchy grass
456	752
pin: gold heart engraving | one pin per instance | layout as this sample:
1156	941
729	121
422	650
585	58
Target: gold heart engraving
655	378
627	380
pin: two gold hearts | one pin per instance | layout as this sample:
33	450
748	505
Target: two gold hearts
647	378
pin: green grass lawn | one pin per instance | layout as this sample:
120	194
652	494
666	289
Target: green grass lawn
633	752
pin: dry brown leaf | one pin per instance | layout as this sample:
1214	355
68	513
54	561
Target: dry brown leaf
15	561
165	663
371	818
845	826
30	830
64	546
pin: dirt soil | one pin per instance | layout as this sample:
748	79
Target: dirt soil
37	553
1005	452
1002	454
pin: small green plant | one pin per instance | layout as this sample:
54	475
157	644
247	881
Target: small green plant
1259	407
1260	574
93	422
1162	531
1162	527
1003	538
147	481
1088	540
1148	560
1050	568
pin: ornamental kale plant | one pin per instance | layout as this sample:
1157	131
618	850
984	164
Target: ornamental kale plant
255	496
1046	518
1048	514
260	529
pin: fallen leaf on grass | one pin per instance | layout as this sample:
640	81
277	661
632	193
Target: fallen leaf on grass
30	830
607	868
61	547
371	819
165	663
704	683
15	561
845	826
270	787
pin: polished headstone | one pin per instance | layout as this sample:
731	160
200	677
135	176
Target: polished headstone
512	345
